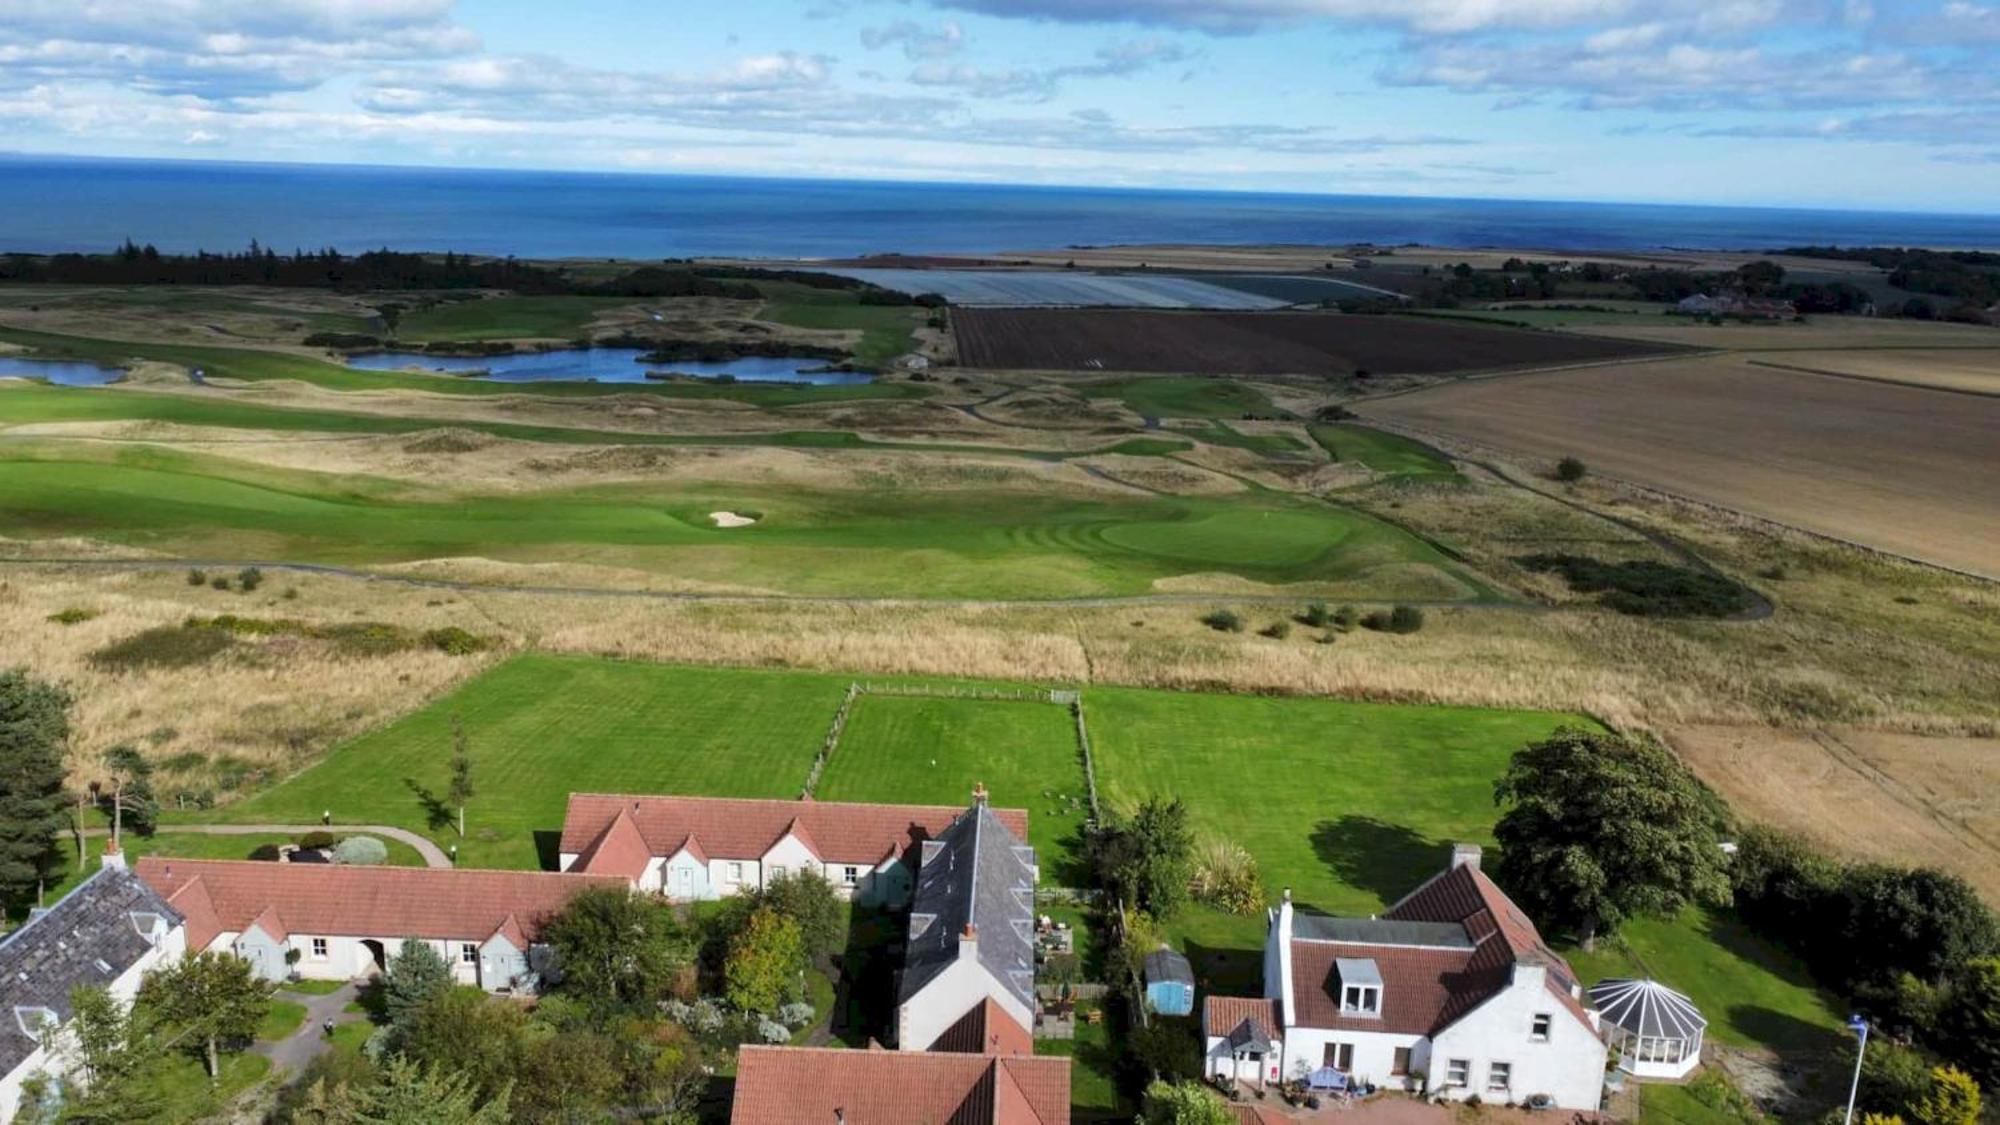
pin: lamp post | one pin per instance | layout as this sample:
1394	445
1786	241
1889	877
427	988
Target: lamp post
454	856
1858	1026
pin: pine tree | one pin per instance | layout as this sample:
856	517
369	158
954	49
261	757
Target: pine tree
34	733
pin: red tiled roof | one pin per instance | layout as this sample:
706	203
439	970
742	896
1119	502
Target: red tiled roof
1422	989
740	828
818	1086
384	902
272	925
1465	894
1221	1015
192	900
618	850
986	1029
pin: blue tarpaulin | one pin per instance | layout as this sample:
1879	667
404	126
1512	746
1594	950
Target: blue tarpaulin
1326	1078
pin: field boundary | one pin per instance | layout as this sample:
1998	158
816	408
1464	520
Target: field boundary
1876	378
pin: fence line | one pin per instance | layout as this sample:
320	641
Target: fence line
1089	766
832	739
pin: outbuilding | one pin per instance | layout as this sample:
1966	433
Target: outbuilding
1656	1031
1169	983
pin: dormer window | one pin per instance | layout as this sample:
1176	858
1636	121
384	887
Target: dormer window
1361	1000
1360	983
33	1020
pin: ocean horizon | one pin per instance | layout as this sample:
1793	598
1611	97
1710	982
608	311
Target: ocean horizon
57	204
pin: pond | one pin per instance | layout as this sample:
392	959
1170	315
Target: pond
68	373
604	365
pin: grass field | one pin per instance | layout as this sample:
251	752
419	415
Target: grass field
1384	452
1177	397
998	544
926	751
506	318
886	330
1556	318
1220	433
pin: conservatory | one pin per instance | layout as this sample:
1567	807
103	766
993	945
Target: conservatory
1656	1031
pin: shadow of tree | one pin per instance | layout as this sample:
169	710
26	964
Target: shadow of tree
436	814
864	993
1386	860
548	848
1225	972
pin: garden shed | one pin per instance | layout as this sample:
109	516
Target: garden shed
1169	983
1656	1031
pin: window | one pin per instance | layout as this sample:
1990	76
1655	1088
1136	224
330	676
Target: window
851	876
1458	1072
319	949
777	871
1339	1056
1364	999
1499	1076
468	953
1401	1065
1539	1030
735	872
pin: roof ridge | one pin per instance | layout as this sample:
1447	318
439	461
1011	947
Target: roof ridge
38	915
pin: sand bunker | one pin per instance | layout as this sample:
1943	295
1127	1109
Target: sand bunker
731	519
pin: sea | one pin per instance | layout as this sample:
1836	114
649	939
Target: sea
52	204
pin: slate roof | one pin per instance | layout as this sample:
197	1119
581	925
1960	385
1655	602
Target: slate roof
979	873
822	1086
89	937
459	904
1164	964
1380	931
739	828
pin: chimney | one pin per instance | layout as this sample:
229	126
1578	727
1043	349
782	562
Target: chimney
839	1116
1465	855
979	793
112	857
1288	894
968	941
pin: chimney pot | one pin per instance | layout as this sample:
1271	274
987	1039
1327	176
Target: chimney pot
1465	855
1288	894
979	793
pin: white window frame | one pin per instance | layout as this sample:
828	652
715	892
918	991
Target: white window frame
468	953
1361	999
319	949
850	875
776	873
1499	1077
1457	1073
735	871
1541	1027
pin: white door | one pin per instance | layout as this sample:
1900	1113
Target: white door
683	883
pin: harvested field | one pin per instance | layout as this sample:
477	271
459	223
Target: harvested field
1259	343
1819	332
1957	369
1903	469
1868	795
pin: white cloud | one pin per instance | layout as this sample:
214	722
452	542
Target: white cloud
917	40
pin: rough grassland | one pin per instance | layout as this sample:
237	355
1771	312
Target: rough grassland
884	330
996	544
1386	453
541	727
507	318
924	751
1171	397
1904	469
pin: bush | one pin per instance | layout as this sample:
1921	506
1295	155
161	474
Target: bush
1316	616
318	839
796	1014
1223	621
1405	619
219	582
361	851
454	641
163	646
1225	877
196	577
771	1031
340	340
1570	470
1346	617
249	578
74	615
1277	630
267	853
1647	589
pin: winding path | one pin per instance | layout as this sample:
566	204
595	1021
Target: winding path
434	856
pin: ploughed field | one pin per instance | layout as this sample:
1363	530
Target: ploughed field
1235	343
1905	469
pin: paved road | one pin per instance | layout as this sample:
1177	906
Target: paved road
434	856
297	1050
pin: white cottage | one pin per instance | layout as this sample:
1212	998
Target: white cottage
1451	992
338	922
700	848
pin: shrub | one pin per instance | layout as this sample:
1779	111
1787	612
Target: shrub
74	615
1405	619
1225	877
318	839
218	583
1316	615
1223	621
1277	630
196	577
771	1031
1570	470
796	1014
1346	617
267	853
249	578
1775	572
361	851
163	646
1644	588
454	641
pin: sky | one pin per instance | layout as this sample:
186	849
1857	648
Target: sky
1819	103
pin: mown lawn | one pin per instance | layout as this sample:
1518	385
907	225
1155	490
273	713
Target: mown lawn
886	330
506	318
1185	397
924	751
1384	452
995	544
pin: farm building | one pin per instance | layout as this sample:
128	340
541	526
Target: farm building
1656	1031
700	848
107	933
338	923
1169	983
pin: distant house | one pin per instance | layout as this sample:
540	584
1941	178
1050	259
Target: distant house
699	848
968	977
1451	992
107	933
1169	983
1735	304
822	1086
340	922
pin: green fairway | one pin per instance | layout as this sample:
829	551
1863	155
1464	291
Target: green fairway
506	318
542	727
1384	452
997	544
926	751
261	366
1217	433
1184	397
886	330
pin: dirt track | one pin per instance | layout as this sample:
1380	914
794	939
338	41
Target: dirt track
1907	470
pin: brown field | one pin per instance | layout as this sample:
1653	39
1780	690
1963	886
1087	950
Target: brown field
1902	469
1869	795
1815	333
1258	343
1957	369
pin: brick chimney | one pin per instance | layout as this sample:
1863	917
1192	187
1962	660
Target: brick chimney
968	942
113	856
1465	855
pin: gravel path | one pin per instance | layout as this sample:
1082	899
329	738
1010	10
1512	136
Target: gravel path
434	856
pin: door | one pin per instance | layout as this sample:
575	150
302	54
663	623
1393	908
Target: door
683	883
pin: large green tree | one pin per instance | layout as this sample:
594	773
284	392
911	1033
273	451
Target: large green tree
1147	860
1970	1021
213	998
112	1050
766	958
470	1034
614	947
803	897
1184	1103
415	976
128	792
1599	828
34	736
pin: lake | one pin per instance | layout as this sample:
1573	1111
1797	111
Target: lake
604	365
64	372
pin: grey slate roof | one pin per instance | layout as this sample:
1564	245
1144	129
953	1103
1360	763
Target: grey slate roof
89	937
976	871
1165	964
1380	931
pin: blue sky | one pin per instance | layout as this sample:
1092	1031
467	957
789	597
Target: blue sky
1829	103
